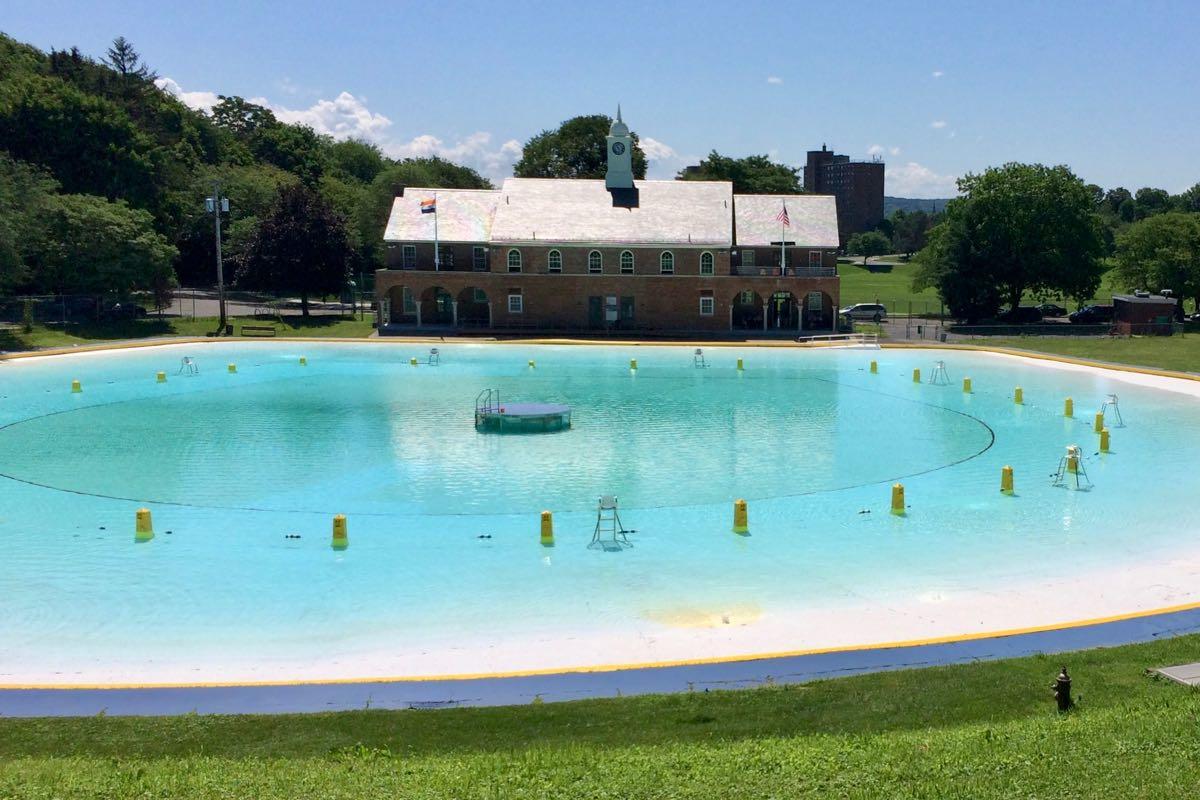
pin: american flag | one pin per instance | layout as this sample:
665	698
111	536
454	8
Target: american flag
429	206
783	217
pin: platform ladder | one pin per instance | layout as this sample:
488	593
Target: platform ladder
486	402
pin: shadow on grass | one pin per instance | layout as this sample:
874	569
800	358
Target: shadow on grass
985	693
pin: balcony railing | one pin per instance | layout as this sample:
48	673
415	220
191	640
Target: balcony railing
792	272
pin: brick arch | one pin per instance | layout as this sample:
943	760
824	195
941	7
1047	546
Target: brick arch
746	310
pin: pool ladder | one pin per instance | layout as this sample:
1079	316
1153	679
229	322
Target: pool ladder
486	402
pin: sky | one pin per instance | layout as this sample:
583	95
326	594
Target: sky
936	90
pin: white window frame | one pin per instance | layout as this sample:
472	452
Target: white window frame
599	265
632	262
551	257
748	258
712	263
814	258
666	263
479	259
711	302
514	252
408	256
516	303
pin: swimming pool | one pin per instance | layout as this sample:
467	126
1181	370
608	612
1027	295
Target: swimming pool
444	575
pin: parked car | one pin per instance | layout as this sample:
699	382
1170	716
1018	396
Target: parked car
1020	315
871	311
1051	310
125	311
1092	315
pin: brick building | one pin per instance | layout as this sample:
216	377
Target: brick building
857	185
604	255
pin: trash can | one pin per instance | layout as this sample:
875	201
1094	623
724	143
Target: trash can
229	329
942	336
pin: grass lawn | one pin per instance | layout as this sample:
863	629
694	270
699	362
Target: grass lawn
1165	352
890	284
980	730
13	339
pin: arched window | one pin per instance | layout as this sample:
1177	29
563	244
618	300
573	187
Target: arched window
666	263
595	262
626	262
514	260
706	263
554	261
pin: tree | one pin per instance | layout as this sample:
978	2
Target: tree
576	149
23	192
1017	228
357	160
749	175
300	246
241	117
126	61
871	243
1161	252
1151	201
910	230
1189	200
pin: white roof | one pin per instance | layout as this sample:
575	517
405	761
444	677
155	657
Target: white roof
463	215
813	218
574	210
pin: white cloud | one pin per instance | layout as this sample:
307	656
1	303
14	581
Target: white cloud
937	73
774	79
344	117
894	151
916	180
475	151
201	101
656	150
938	123
875	150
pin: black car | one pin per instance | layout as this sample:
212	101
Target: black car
125	311
1051	310
1020	315
1092	315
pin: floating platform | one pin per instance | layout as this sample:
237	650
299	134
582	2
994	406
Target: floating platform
523	418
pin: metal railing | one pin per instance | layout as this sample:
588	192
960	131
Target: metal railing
870	340
773	272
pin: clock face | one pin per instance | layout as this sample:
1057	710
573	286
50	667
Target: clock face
618	147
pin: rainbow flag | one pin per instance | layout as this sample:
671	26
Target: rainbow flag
429	206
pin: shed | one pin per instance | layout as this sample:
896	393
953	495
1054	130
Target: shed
1144	314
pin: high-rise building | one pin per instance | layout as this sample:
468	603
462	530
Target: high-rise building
857	185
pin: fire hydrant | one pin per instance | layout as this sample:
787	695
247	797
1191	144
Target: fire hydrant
1062	690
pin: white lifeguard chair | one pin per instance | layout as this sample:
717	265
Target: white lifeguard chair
1110	404
939	376
610	534
698	359
435	358
189	366
1072	474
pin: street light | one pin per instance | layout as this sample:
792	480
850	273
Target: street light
215	205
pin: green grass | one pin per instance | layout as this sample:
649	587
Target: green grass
1164	352
13	339
890	284
981	730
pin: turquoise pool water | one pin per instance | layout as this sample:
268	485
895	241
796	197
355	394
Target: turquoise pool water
445	573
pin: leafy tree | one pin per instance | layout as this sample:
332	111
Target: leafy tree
1161	252
749	175
356	160
126	61
910	230
89	245
576	149
1127	211
1189	200
296	148
23	191
241	117
871	243
1151	201
1113	198
1017	228
300	246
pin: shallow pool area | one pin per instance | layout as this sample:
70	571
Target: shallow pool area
445	573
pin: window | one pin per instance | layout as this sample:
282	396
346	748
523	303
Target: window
595	262
479	260
626	309
514	260
554	261
706	263
408	257
445	256
666	263
516	304
747	258
410	305
706	306
479	295
626	262
814	258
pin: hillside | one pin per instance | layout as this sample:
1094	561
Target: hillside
909	204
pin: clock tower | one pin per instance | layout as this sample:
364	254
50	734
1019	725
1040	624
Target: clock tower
620	156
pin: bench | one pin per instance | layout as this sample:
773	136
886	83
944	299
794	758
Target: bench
258	330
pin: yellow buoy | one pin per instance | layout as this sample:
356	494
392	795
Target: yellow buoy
340	540
1104	440
917	375
76	387
1019	396
303	361
532	364
898	499
1098	425
1068	407
740	365
966	385
144	526
161	377
413	361
232	368
874	367
1006	479
633	363
547	529
741	522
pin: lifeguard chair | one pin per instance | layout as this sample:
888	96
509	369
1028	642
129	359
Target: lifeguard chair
698	360
435	358
1110	404
188	365
1071	473
610	534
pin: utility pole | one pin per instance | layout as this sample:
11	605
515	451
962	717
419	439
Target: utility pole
216	204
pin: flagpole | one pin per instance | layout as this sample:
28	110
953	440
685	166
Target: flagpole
437	255
783	245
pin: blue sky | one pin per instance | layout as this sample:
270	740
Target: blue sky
937	89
